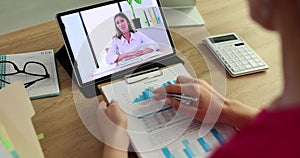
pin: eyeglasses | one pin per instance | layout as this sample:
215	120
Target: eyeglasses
32	68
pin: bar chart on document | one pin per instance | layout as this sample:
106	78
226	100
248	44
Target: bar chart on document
139	98
146	94
192	146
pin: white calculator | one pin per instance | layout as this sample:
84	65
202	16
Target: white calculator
235	54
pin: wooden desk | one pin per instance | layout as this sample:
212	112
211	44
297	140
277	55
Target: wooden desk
65	134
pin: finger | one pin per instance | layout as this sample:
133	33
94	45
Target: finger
173	102
114	105
100	111
102	105
113	101
184	79
159	96
172	88
184	89
159	93
160	90
186	109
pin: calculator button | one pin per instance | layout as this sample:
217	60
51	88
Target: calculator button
235	60
257	60
241	58
229	60
242	67
226	56
253	63
238	63
234	69
249	53
245	62
232	65
261	64
244	53
234	51
224	59
247	57
228	66
248	66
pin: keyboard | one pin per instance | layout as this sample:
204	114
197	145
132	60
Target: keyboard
124	63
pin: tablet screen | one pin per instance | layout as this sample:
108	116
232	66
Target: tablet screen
109	38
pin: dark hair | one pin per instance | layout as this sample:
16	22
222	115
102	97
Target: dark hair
130	27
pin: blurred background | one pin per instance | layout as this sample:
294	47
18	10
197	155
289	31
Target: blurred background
17	14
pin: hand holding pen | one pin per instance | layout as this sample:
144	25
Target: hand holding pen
201	95
183	92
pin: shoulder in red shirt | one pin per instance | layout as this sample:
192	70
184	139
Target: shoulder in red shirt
272	134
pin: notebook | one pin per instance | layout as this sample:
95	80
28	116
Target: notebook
37	70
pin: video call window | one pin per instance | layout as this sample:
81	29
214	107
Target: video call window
111	38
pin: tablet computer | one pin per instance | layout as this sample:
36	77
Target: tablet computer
112	39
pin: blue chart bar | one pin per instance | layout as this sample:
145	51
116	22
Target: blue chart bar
203	144
146	94
167	153
218	136
188	151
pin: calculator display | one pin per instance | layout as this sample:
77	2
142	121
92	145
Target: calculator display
222	38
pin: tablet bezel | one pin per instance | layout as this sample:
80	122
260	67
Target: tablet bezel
119	74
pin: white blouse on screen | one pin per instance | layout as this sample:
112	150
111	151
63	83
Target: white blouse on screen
138	41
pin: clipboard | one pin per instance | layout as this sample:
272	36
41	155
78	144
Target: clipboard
141	76
149	119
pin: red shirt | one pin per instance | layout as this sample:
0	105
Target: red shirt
272	134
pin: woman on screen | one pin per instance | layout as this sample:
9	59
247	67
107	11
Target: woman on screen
128	43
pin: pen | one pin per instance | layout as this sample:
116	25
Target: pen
183	98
